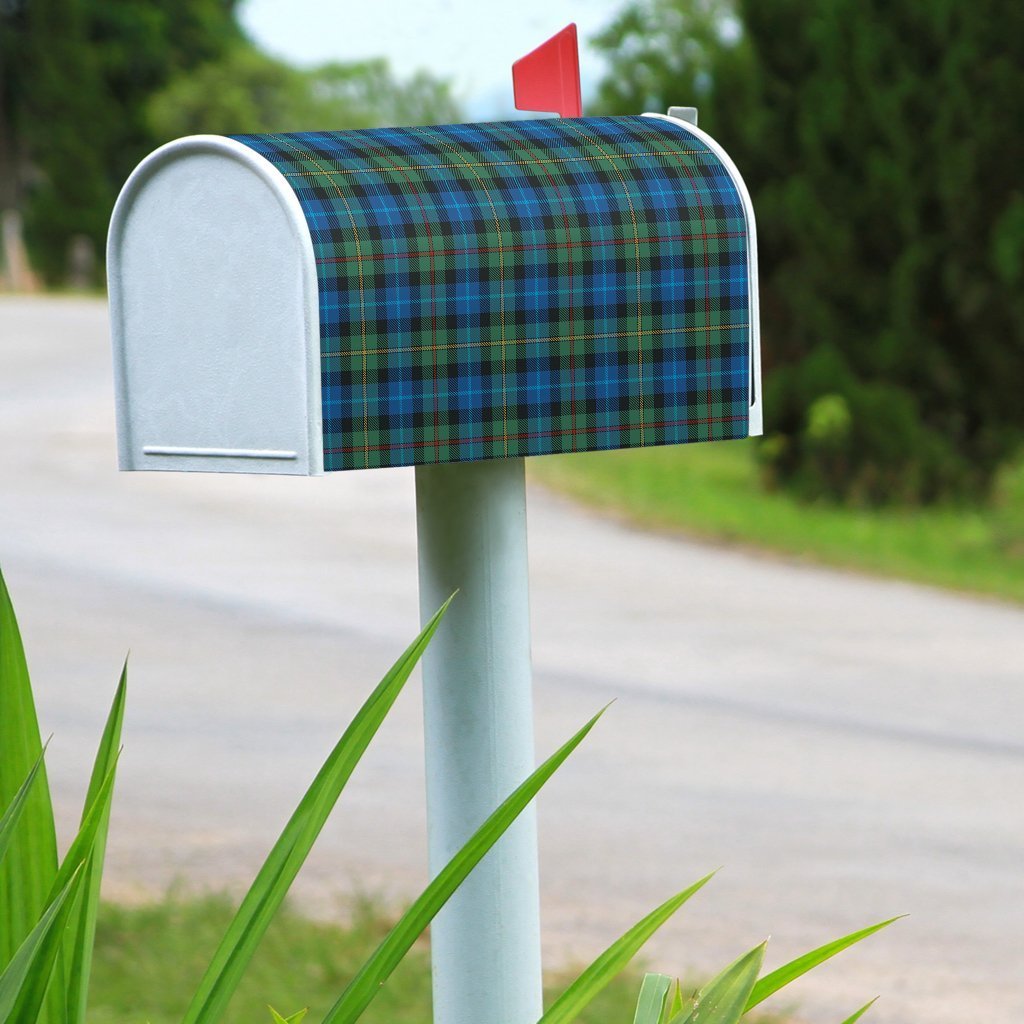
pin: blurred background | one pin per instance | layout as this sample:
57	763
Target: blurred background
848	743
879	142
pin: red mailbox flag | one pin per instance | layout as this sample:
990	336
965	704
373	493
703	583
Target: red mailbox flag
548	78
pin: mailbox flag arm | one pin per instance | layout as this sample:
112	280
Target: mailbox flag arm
548	78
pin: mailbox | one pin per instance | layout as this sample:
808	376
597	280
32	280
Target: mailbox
345	300
297	303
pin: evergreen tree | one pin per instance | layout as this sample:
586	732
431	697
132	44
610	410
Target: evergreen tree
882	146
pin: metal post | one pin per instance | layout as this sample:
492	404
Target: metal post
478	720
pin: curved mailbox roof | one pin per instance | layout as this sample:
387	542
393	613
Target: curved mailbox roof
524	287
513	288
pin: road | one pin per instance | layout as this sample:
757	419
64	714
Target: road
846	748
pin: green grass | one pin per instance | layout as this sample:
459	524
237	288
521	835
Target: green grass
150	958
713	492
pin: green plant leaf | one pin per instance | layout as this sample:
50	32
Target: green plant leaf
651	1003
282	864
295	1018
73	866
84	843
372	975
853	1018
30	866
17	805
675	1006
82	930
24	981
782	976
723	1000
572	1001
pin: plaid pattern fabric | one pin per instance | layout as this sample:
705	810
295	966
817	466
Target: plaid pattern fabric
522	288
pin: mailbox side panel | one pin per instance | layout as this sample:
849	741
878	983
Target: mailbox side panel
524	287
214	316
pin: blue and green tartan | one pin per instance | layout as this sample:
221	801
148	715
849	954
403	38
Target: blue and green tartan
522	288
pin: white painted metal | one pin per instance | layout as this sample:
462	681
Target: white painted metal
218	453
478	710
214	315
756	409
688	114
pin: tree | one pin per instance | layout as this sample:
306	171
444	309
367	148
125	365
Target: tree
876	138
75	79
61	129
249	91
88	87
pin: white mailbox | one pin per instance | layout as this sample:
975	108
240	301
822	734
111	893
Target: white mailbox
345	300
300	303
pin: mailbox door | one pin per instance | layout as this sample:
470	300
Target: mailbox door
215	318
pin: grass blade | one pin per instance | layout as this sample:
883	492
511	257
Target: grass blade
282	864
372	975
295	1018
30	866
82	930
675	1006
572	1001
25	978
779	978
651	1004
84	843
17	805
723	1000
73	866
853	1018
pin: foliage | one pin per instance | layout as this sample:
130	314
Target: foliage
76	76
89	87
148	955
591	981
715	491
1008	511
48	917
874	139
249	91
725	999
731	994
151	955
295	1018
48	909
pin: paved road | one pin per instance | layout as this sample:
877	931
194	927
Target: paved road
846	748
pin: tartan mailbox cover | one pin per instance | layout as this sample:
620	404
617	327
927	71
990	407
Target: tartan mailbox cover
347	300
